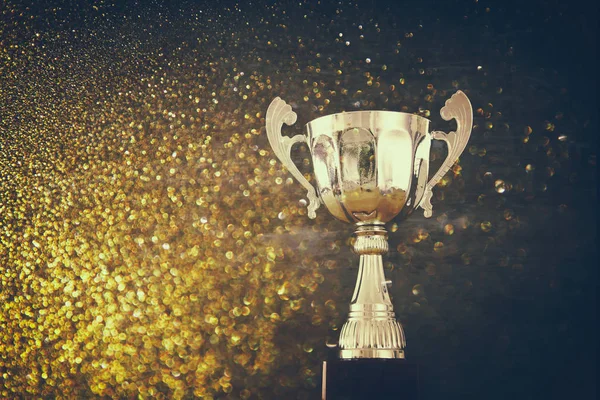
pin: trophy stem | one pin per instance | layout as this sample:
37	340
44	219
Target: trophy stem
371	330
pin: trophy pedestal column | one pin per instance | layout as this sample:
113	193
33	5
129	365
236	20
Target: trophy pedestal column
371	331
371	361
360	379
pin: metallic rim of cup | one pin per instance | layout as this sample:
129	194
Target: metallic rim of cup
349	114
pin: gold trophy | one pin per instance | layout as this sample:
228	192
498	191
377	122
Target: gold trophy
370	167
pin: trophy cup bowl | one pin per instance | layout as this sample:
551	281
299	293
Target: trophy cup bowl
370	167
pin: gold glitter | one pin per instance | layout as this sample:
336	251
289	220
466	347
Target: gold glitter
486	226
449	229
500	186
417	290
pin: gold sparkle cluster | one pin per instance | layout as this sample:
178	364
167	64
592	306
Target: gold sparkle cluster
139	233
147	267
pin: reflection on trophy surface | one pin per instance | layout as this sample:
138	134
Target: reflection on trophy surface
370	167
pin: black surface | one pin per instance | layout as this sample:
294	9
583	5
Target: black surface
371	379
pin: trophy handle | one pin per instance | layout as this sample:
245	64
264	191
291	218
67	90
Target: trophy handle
278	113
457	107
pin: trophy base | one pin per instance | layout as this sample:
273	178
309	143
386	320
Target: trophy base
370	379
348	354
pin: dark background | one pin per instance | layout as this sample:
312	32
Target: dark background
506	312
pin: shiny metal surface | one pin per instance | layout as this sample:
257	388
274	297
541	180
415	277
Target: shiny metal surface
457	107
371	167
278	113
371	330
363	163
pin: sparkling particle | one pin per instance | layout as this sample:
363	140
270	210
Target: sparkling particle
486	226
500	186
417	290
449	229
